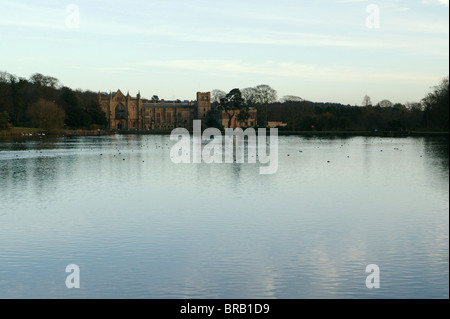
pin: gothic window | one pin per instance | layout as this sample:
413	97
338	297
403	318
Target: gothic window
120	111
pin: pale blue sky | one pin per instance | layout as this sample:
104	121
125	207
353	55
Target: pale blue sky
319	50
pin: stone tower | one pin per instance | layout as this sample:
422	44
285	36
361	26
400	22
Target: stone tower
203	104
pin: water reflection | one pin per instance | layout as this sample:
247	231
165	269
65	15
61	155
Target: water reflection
437	149
119	208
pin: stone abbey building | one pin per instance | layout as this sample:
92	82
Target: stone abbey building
124	112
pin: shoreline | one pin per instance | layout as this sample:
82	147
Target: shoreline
25	132
321	133
32	132
367	133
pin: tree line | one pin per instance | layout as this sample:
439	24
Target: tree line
430	114
43	102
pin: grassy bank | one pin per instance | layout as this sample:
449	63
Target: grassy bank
311	133
17	132
82	133
21	132
431	134
152	132
363	133
326	133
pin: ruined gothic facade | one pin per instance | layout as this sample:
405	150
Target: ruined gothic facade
124	112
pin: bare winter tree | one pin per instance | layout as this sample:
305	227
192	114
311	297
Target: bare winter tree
43	80
6	77
367	102
265	95
217	95
249	95
385	103
47	115
436	106
291	98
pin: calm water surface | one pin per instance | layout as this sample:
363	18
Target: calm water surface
139	226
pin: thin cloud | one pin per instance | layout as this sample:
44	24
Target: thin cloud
441	2
283	69
32	24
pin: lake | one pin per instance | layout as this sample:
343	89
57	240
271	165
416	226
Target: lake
140	226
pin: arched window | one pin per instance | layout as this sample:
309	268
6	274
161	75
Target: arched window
120	111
